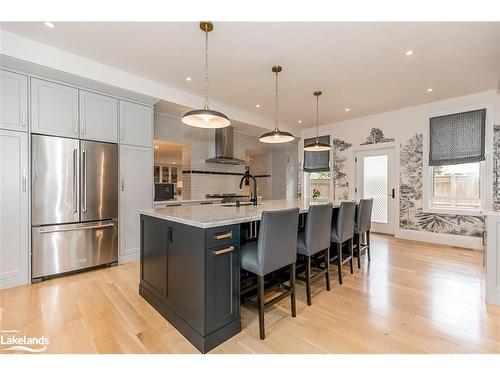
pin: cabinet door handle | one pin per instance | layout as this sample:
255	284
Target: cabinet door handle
224	236
82	125
24	181
23	119
223	251
170	234
122	133
122	183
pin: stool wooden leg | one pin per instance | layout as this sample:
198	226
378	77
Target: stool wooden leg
260	302
308	280
339	261
351	254
368	244
357	242
327	265
292	286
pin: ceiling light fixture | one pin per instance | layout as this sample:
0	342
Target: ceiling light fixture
300	121
188	79
157	147
317	145
409	52
49	25
206	117
277	135
257	105
430	89
347	109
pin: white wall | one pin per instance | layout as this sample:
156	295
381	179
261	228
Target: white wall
404	123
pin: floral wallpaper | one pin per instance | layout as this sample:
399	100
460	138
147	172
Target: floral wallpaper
496	167
411	215
340	179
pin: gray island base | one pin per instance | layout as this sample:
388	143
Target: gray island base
190	266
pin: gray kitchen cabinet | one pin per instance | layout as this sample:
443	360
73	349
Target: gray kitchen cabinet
136	192
54	109
136	124
13	101
14	201
98	117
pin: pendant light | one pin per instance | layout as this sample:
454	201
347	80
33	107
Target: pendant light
206	117
317	145
276	136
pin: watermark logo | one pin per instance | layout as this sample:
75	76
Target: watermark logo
11	341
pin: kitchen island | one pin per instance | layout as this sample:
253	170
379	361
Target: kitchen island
190	267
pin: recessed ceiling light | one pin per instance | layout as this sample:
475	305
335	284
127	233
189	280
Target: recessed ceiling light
49	25
409	52
347	109
300	121
430	89
257	105
188	79
157	147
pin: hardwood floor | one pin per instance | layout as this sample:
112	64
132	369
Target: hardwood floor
412	298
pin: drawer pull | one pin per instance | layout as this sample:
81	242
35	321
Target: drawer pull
224	236
223	251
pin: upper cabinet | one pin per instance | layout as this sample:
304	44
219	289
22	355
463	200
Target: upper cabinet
14	101
98	117
136	124
54	109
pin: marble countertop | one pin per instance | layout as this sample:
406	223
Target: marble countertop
181	201
216	215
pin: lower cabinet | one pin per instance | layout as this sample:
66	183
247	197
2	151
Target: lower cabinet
14	214
196	288
136	192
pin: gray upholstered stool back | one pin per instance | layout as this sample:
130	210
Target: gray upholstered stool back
343	228
277	243
318	228
364	215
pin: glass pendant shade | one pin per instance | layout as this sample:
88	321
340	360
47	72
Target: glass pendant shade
276	136
317	146
206	118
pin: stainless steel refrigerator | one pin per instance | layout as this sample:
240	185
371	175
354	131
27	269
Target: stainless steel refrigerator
74	197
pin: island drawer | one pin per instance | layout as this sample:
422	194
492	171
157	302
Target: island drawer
221	236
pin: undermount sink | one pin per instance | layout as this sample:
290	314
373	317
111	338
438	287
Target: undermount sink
238	205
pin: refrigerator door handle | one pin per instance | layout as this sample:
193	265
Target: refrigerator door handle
84	182
54	230
75	180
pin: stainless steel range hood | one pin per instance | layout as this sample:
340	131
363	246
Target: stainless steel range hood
224	148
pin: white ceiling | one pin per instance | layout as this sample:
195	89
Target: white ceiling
361	66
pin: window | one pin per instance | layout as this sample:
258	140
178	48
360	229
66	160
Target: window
456	186
318	181
456	154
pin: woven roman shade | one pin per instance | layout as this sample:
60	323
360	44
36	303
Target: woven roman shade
457	138
318	161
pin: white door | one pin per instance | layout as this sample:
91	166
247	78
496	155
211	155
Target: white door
98	117
136	124
14	225
13	101
136	192
376	178
54	109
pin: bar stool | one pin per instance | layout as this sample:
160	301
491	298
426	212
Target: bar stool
342	232
363	225
314	239
274	249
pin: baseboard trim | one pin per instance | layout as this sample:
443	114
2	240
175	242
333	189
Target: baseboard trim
134	257
12	282
468	242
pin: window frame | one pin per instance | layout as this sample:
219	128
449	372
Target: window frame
485	180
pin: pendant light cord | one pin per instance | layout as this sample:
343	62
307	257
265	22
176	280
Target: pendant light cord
276	105
206	67
317	116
